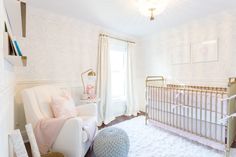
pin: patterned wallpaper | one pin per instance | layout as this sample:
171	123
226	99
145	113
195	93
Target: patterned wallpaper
58	47
157	49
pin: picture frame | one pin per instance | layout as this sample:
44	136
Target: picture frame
206	51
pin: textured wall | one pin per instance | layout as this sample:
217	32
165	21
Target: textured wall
58	47
6	97
155	55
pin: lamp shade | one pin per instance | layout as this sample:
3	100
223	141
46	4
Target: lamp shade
91	73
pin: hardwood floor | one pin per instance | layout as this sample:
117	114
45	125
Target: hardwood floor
90	152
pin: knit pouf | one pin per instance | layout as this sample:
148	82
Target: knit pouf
111	142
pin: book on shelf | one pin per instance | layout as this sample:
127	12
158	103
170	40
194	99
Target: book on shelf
17	48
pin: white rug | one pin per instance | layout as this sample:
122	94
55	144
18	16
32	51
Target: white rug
150	141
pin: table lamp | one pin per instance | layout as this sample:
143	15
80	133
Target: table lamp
89	90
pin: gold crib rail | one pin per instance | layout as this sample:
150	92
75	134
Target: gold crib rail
200	88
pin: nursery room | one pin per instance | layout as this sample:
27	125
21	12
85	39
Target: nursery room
117	78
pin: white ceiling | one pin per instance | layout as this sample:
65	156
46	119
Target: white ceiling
123	15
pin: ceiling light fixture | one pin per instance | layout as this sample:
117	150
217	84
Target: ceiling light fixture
152	8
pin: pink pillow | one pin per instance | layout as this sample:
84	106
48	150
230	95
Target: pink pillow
63	106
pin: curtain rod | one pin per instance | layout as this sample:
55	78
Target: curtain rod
117	38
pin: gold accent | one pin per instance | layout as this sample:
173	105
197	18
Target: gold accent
24	60
152	13
23	17
91	73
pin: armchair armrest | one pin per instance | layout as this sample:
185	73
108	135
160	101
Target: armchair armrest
69	140
87	110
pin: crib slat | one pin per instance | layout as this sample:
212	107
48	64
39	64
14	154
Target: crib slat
192	106
205	120
165	121
162	105
201	113
176	110
173	102
188	112
181	109
211	114
221	116
168	104
158	104
183	117
216	106
196	108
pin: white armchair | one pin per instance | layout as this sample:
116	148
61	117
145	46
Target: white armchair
73	139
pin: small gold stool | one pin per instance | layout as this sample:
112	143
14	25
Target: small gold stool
53	154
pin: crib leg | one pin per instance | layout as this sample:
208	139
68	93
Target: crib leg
227	153
146	119
146	116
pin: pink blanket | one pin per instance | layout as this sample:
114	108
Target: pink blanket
46	132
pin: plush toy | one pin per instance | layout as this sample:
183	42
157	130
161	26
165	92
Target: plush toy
90	90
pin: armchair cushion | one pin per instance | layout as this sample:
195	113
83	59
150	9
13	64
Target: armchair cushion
43	95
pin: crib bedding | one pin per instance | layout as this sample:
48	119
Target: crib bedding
205	101
196	113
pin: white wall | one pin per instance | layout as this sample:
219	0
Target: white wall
59	49
6	97
155	54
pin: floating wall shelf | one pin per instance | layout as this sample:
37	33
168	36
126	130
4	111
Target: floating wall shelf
10	53
16	60
14	25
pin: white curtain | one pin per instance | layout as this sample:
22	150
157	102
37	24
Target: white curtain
105	106
104	82
132	106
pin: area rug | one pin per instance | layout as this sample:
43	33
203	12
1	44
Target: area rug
151	141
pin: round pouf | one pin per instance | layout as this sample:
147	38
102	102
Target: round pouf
111	142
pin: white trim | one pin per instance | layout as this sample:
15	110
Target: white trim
46	81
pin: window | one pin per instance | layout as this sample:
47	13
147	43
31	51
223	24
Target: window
118	53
